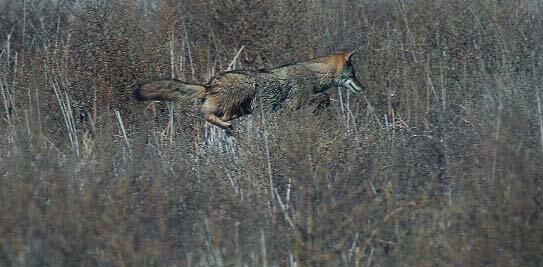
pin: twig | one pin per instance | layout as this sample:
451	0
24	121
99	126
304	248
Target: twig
234	60
370	257
123	131
65	108
497	142
172	56
267	148
353	247
4	98
263	248
284	209
540	115
190	53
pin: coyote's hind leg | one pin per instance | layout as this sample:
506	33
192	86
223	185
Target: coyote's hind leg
227	116
210	110
213	119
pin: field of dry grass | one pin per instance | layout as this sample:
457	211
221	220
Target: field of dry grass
447	172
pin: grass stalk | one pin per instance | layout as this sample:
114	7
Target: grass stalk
540	117
123	131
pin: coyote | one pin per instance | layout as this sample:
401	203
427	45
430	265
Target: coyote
233	94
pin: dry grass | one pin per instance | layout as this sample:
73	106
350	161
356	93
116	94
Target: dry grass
446	172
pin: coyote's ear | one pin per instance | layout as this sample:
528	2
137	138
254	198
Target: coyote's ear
350	54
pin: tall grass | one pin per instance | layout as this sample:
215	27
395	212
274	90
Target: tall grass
439	162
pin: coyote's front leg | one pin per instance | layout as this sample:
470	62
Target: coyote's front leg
322	99
319	102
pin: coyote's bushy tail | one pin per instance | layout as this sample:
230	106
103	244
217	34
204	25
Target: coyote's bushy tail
168	90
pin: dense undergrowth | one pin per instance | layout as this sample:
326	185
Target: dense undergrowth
438	162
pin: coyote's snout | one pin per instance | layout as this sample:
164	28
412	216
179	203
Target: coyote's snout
233	94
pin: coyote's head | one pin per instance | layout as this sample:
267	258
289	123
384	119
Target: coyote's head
345	76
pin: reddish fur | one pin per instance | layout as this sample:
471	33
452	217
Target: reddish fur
338	60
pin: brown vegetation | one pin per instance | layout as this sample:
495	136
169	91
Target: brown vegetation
447	171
